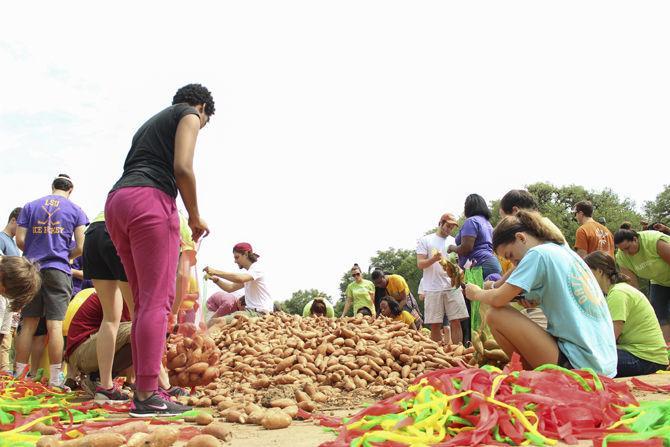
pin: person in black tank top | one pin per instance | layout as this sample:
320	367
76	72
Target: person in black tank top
142	221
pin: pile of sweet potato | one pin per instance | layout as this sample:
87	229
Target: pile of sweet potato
192	360
314	359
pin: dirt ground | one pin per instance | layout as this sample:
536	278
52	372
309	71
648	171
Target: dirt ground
307	434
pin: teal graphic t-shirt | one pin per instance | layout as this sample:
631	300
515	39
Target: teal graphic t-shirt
576	310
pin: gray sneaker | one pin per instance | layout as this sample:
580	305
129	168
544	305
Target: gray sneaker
158	404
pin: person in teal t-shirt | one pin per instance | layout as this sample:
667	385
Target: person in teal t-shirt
640	345
647	255
361	293
579	328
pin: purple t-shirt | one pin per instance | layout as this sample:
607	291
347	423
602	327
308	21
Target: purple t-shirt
482	230
50	222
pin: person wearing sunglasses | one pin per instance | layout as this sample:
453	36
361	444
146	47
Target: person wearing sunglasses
360	293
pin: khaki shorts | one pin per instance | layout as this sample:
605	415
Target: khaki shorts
446	302
537	316
85	357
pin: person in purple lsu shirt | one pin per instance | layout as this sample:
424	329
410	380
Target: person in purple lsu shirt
46	228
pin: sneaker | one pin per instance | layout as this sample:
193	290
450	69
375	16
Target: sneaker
59	382
113	394
156	405
176	391
72	384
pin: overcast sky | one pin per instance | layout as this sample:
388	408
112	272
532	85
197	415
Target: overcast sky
341	127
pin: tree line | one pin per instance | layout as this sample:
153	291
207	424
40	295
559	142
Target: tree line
555	202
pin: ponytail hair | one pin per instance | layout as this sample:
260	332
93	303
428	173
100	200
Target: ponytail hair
356	267
530	222
625	233
599	260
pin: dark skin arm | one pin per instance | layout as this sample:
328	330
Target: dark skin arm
184	149
467	244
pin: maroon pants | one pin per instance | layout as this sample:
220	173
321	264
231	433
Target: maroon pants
144	225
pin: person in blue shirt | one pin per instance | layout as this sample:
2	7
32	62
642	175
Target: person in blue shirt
550	275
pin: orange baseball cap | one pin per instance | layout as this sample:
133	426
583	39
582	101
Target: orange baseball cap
449	218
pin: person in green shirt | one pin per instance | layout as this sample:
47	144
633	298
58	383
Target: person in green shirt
640	345
361	293
318	307
647	255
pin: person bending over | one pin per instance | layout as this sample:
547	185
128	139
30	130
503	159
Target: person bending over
579	328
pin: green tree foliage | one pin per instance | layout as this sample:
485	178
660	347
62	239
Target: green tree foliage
557	203
392	261
659	210
295	304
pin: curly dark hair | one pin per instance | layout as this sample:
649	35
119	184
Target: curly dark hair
195	94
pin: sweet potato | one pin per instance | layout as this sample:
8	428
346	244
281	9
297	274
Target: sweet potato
256	417
291	411
281	403
236	416
177	362
301	396
203	441
204	418
275	420
97	440
48	441
218	430
138	440
163	437
307	405
44	429
197	368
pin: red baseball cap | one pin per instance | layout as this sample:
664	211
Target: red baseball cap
243	247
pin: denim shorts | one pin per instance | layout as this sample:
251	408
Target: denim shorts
630	365
660	300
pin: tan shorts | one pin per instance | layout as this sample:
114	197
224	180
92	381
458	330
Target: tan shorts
85	357
537	316
446	302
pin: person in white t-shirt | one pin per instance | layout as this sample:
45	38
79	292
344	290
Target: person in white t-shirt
441	298
257	296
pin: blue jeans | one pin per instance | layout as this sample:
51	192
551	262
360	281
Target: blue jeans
660	300
490	266
630	365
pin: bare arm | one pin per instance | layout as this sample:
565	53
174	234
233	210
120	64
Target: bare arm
79	241
347	305
21	237
78	274
632	277
233	277
467	244
663	249
184	149
495	297
227	286
618	328
239	278
423	261
402	299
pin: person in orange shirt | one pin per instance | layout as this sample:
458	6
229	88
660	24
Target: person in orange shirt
591	236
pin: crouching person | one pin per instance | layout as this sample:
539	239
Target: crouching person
81	347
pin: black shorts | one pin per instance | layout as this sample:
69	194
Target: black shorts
53	297
100	260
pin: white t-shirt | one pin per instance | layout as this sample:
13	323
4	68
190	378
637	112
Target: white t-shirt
435	279
256	294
